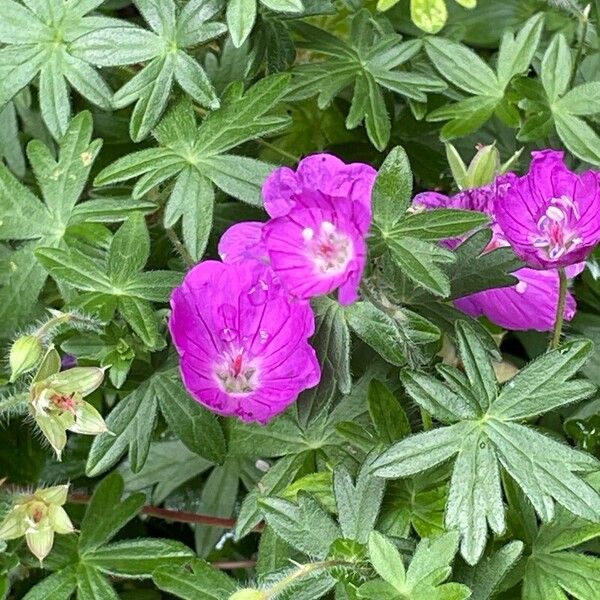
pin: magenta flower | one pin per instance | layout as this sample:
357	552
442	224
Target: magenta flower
321	214
242	340
551	216
243	241
529	304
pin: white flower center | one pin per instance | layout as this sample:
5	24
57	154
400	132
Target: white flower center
329	249
557	236
235	373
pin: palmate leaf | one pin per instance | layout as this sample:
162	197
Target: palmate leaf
565	108
133	419
424	577
164	50
467	71
198	158
121	282
47	223
38	38
484	435
369	62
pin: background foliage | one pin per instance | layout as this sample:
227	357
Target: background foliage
132	134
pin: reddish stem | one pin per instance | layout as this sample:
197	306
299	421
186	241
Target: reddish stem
174	515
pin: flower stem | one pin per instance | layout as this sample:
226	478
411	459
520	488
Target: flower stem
560	310
584	17
12	401
302	571
181	249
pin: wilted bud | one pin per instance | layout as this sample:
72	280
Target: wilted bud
38	517
249	594
484	167
25	353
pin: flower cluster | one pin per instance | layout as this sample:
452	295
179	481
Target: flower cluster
241	326
550	219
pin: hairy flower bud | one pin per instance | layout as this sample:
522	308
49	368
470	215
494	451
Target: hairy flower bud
38	517
25	353
484	167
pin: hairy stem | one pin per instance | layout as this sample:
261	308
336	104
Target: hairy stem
583	27
302	571
181	249
560	309
12	401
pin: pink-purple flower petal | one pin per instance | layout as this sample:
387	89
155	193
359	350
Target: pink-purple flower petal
242	340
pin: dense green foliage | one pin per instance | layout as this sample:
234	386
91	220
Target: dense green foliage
440	457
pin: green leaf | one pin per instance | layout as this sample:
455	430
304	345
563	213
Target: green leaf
546	470
74	268
417	504
425	575
581	101
306	526
39	39
193	424
129	250
142	319
218	498
516	52
476	364
169	465
131	423
462	67
557	66
429	15
357	503
91	584
54	96
106	513
438	224
393	189
485	578
419	452
276	479
138	558
202	583
387	414
197	216
58	586
331	341
419	261
367	62
436	398
474	270
542	385
386	560
475	497
578	137
241	15
377	329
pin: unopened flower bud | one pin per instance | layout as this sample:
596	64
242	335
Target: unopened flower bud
484	167
25	353
80	380
249	594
